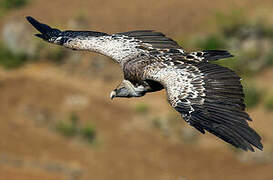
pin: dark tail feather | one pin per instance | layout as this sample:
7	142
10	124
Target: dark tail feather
46	31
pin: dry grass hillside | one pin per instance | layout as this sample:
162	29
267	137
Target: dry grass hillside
57	121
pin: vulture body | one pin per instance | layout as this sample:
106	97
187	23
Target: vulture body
209	97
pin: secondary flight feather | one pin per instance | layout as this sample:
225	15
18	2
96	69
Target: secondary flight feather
209	97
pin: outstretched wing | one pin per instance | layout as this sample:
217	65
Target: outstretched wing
123	47
120	46
210	98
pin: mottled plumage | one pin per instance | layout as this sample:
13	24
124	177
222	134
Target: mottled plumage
208	96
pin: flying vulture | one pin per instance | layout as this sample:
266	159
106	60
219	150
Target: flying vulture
209	97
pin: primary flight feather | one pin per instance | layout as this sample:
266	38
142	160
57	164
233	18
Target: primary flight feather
208	96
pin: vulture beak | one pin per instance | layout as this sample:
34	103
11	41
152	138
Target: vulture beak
112	95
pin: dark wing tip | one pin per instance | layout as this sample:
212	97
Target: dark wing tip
46	31
33	22
42	28
260	146
30	19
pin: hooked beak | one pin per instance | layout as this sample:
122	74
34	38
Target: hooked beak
112	95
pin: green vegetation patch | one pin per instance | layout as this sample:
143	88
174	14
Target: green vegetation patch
142	108
252	95
12	4
88	132
56	54
269	59
7	5
269	103
72	128
211	42
10	60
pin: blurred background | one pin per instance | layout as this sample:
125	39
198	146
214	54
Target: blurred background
57	121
